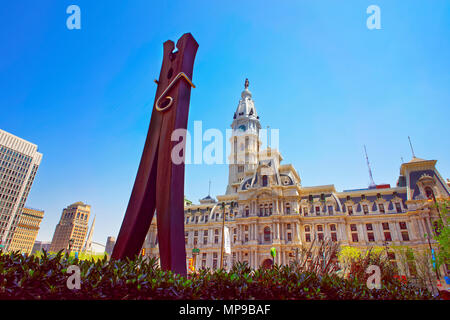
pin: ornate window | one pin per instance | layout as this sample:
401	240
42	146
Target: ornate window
264	181
288	208
320	232
429	193
266	234
365	208
370	235
333	232
354	231
307	234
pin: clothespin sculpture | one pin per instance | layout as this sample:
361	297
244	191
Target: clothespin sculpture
160	182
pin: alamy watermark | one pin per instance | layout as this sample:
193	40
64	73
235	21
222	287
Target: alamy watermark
74	281
74	20
374	20
374	280
236	147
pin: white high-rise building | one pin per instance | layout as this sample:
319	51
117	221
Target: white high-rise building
19	161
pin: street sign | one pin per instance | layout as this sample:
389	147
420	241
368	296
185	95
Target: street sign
196	250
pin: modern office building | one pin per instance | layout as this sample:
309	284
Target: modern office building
19	162
73	225
27	230
266	205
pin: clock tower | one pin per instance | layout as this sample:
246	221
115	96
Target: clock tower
245	142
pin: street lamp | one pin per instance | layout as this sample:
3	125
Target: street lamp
71	241
223	235
385	244
195	252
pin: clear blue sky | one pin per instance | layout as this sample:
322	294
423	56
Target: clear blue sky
316	72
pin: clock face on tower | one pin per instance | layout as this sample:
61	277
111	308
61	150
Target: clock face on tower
242	128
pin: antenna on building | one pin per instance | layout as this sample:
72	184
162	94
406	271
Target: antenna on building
372	184
412	150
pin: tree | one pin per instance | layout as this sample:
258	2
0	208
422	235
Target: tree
442	234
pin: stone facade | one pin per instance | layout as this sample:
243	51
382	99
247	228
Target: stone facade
72	225
267	206
27	230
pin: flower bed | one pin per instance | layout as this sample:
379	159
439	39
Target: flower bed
29	277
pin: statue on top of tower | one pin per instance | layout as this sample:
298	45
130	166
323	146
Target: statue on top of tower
246	83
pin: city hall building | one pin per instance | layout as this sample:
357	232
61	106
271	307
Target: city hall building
267	206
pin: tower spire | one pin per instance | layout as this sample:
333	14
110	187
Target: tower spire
88	244
372	184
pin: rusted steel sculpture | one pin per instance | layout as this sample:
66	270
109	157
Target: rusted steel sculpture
160	182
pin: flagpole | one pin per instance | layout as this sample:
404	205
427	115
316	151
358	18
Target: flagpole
223	235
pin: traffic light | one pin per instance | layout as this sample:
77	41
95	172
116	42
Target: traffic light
191	264
143	251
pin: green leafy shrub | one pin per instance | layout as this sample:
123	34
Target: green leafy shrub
45	277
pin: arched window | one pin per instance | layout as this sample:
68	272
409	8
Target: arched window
266	210
266	234
261	210
264	181
270	209
247	211
288	208
429	193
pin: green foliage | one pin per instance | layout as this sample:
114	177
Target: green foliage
81	255
348	254
45	277
443	234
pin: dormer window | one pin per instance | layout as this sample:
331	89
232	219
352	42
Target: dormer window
365	209
264	181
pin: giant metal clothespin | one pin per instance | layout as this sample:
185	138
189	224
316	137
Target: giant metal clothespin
160	182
